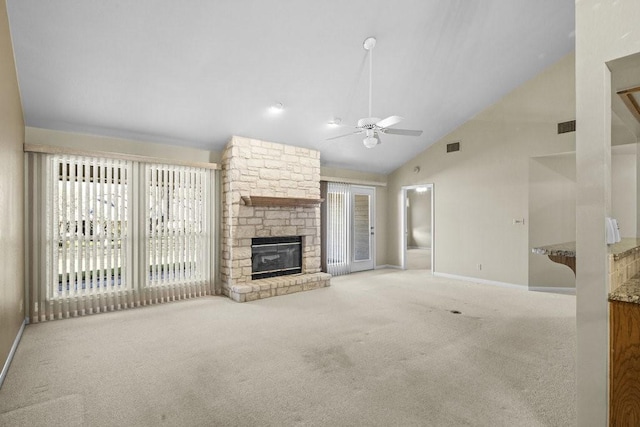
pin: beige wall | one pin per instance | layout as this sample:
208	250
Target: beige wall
354	176
102	143
379	182
481	189
604	31
11	195
624	193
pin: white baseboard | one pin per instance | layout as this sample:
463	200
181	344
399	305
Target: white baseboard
482	281
5	368
566	291
380	267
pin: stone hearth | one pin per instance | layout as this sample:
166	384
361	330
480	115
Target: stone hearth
258	168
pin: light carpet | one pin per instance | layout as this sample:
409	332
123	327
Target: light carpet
418	259
376	348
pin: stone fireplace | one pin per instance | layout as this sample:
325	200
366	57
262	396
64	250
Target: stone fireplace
271	204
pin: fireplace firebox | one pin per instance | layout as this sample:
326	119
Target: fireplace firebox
275	256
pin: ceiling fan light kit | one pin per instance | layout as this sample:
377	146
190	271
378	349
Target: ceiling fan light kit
371	126
370	141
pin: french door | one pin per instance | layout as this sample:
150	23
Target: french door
348	228
362	228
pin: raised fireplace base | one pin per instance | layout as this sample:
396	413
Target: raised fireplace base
275	286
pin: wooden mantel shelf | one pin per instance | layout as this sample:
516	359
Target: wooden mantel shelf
280	201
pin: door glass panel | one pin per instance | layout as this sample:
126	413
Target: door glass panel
361	228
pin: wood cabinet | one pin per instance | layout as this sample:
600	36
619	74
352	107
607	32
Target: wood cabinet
624	361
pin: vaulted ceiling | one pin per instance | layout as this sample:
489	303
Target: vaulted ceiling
194	73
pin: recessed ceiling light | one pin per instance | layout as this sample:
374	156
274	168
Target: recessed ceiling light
276	108
335	122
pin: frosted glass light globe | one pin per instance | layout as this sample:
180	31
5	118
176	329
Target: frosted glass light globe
370	142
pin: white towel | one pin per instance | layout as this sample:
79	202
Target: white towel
616	230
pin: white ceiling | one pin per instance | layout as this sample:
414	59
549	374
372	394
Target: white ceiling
194	73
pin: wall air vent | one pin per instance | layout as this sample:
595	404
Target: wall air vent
565	127
454	146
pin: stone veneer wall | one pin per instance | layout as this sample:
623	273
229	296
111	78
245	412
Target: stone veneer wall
257	168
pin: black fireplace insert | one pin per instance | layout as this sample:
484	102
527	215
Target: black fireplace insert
275	256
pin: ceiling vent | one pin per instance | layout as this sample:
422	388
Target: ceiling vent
454	146
566	127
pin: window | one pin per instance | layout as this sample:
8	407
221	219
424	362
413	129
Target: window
118	234
176	229
88	228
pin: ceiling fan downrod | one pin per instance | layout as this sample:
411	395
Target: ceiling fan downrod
369	44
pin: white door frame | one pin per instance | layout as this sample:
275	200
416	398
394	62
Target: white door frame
364	264
403	231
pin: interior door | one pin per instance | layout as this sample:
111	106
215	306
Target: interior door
362	228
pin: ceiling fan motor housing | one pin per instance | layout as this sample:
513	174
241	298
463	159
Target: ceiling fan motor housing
368	123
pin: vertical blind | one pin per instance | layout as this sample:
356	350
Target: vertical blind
177	231
338	251
117	234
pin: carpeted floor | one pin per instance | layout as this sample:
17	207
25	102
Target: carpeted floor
376	348
418	259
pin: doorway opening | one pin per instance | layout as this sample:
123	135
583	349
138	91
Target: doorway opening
417	227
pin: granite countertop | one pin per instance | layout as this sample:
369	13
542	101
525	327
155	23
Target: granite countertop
624	247
559	249
621	249
629	291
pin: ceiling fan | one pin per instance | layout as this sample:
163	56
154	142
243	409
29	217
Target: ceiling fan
371	126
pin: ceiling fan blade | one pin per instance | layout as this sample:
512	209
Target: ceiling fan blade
407	132
342	136
389	121
341	125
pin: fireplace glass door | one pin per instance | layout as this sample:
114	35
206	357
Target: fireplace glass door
275	256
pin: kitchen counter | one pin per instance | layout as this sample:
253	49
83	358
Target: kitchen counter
559	249
623	248
624	265
561	253
629	291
